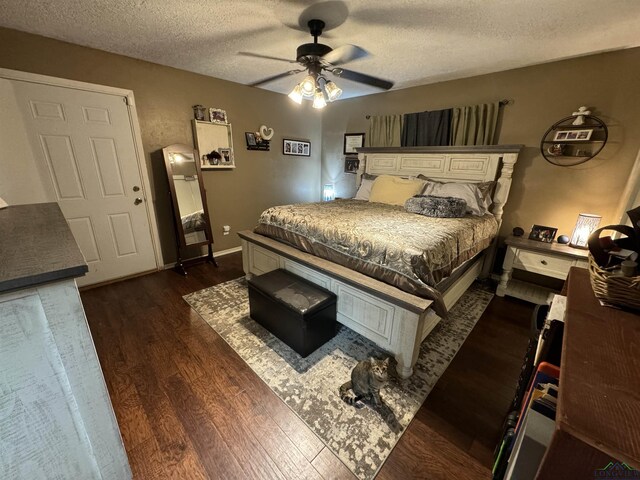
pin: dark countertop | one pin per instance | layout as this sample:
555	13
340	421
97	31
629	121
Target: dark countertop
36	246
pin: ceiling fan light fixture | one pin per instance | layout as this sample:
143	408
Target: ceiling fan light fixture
318	99
308	86
333	90
296	94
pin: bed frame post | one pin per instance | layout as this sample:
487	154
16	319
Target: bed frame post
499	199
361	166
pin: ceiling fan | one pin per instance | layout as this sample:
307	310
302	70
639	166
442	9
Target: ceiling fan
317	59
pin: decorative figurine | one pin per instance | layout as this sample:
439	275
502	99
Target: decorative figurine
582	111
266	133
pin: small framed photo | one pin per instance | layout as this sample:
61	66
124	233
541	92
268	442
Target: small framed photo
217	116
353	141
296	147
541	233
251	139
227	156
351	164
572	135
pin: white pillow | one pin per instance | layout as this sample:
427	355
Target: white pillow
364	192
477	202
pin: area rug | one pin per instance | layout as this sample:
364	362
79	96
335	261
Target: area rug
361	438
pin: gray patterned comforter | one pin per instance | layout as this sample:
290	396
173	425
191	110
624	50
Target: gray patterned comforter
407	250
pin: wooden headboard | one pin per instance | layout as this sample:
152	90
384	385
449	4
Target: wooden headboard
452	164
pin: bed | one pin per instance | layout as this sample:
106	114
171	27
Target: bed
397	307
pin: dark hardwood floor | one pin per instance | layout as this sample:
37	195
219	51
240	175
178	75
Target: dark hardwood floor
189	408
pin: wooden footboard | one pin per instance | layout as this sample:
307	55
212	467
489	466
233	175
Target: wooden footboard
395	320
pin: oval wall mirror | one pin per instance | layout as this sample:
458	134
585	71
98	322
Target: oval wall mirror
189	201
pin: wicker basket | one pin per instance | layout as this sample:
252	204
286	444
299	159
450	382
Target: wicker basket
613	289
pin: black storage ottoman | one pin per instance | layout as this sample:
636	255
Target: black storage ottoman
297	311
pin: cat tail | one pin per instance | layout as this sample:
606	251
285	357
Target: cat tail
350	398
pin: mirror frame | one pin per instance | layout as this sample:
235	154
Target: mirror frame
180	237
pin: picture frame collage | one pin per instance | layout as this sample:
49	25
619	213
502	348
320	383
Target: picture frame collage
573	135
296	147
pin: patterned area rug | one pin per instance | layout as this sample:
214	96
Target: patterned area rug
361	438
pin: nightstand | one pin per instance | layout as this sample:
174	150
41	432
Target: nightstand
549	259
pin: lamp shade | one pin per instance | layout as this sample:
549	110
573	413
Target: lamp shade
318	99
296	94
333	91
585	225
308	86
328	192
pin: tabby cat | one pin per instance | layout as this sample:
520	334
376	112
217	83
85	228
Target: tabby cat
367	378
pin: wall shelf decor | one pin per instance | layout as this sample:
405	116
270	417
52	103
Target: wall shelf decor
256	142
212	137
567	143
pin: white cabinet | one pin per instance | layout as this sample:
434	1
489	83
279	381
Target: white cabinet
56	419
547	259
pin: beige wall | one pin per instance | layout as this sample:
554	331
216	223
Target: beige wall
541	193
164	97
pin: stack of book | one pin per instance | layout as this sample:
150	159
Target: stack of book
528	427
524	444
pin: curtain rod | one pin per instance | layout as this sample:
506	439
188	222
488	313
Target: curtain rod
501	103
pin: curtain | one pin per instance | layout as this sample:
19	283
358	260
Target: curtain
475	125
426	128
384	131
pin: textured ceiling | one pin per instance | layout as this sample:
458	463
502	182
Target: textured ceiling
411	42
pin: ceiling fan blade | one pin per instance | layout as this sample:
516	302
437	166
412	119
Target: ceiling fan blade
362	78
275	77
344	54
257	55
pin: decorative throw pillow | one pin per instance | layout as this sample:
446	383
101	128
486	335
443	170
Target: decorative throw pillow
477	195
365	189
442	207
394	190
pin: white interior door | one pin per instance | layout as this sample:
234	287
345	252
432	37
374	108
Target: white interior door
84	141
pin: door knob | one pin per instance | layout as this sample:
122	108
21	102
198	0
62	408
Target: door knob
136	188
137	201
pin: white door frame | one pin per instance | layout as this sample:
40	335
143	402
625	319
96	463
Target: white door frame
135	130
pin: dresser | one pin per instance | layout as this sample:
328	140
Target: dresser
596	433
56	419
547	259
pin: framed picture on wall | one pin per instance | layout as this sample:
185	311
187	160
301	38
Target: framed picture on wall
250	137
217	116
227	156
351	164
353	141
296	147
573	135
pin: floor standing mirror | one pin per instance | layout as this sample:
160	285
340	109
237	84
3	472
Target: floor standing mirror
189	202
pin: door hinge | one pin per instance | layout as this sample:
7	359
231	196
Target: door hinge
126	101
